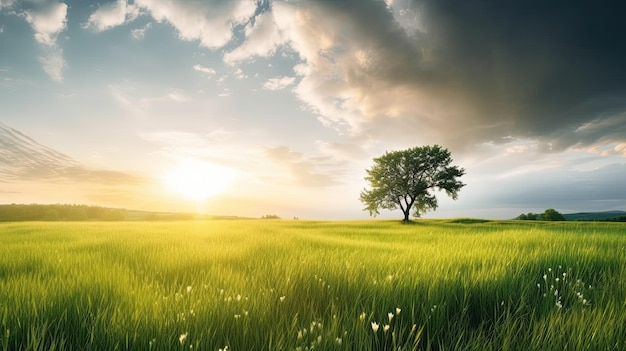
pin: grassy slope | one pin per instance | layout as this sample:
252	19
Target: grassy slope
268	285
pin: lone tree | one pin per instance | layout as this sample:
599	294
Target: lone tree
407	179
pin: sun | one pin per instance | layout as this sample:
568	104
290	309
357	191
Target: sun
197	180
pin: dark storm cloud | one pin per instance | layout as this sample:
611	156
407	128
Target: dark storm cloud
23	159
479	71
554	64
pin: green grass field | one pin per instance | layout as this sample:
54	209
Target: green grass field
303	285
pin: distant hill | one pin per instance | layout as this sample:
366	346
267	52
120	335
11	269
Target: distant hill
596	216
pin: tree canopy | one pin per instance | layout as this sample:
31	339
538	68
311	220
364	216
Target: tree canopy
408	179
549	214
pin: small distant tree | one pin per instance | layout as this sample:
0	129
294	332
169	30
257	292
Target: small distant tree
407	178
270	216
552	215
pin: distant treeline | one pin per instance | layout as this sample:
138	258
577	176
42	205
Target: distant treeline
58	212
548	215
66	212
553	215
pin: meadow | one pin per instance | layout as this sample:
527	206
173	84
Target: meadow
304	285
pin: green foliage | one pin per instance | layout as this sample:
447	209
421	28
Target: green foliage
293	285
552	215
549	214
527	217
408	178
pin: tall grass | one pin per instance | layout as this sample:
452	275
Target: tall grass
301	285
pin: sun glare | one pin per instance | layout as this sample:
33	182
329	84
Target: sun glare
197	180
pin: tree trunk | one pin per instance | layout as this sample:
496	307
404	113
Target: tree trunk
406	215
407	209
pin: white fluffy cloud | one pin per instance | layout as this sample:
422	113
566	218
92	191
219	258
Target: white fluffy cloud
111	15
48	20
210	22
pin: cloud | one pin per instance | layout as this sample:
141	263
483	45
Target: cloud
112	15
48	19
24	159
454	72
6	3
621	148
210	22
263	38
207	70
278	83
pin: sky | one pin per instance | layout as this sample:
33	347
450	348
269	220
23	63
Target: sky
282	105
